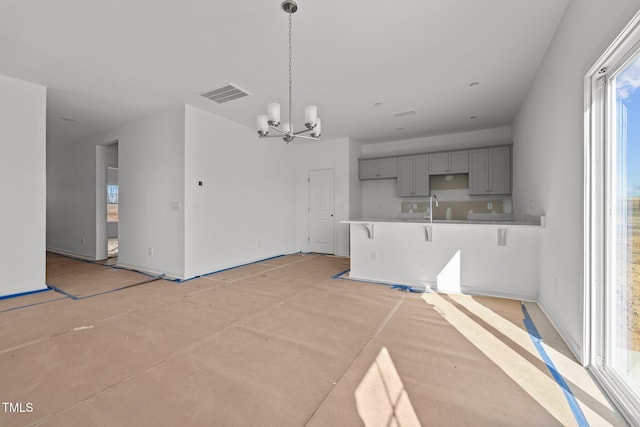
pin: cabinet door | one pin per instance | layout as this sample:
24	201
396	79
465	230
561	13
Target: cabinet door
369	169
388	168
421	175
405	176
479	171
413	175
438	163
500	170
458	162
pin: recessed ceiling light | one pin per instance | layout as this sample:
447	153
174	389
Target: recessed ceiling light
377	104
404	113
68	119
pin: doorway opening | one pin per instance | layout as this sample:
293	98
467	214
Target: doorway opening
113	190
107	213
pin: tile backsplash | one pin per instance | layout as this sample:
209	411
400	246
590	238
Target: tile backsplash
448	188
458	209
380	200
449	182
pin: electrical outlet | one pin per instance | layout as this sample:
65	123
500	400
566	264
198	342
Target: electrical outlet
374	256
150	251
490	205
556	286
83	241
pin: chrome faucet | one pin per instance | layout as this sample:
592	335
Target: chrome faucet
431	199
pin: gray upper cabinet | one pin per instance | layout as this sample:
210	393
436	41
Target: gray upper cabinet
449	162
459	162
379	168
413	175
490	171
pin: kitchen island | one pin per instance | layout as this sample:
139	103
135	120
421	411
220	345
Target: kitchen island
498	258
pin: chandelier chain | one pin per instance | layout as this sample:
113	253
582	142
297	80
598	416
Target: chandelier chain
290	51
290	75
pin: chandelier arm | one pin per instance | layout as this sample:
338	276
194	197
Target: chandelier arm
313	138
278	130
302	131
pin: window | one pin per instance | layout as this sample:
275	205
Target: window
112	203
612	220
624	248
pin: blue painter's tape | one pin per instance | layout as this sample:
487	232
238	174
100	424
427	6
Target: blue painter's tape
21	294
339	275
73	297
406	288
236	266
32	305
568	394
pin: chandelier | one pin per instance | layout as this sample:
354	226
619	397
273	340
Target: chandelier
271	120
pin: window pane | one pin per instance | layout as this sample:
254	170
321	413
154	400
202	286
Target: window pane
624	247
112	203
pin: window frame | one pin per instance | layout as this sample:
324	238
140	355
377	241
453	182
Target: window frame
598	176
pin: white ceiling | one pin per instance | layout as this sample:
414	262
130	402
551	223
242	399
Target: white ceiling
108	62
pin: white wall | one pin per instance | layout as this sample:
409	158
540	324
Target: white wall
76	196
151	158
326	154
379	197
71	199
246	210
452	141
151	175
355	185
22	172
547	154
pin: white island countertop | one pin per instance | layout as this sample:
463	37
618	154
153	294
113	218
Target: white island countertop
525	223
498	258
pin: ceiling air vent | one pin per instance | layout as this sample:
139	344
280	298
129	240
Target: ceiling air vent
225	93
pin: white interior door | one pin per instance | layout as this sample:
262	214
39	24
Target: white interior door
321	211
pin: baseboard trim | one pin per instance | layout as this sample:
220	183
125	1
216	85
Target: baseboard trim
574	346
71	254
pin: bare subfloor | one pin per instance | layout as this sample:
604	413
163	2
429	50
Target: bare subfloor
281	343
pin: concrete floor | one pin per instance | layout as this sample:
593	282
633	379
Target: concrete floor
282	342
